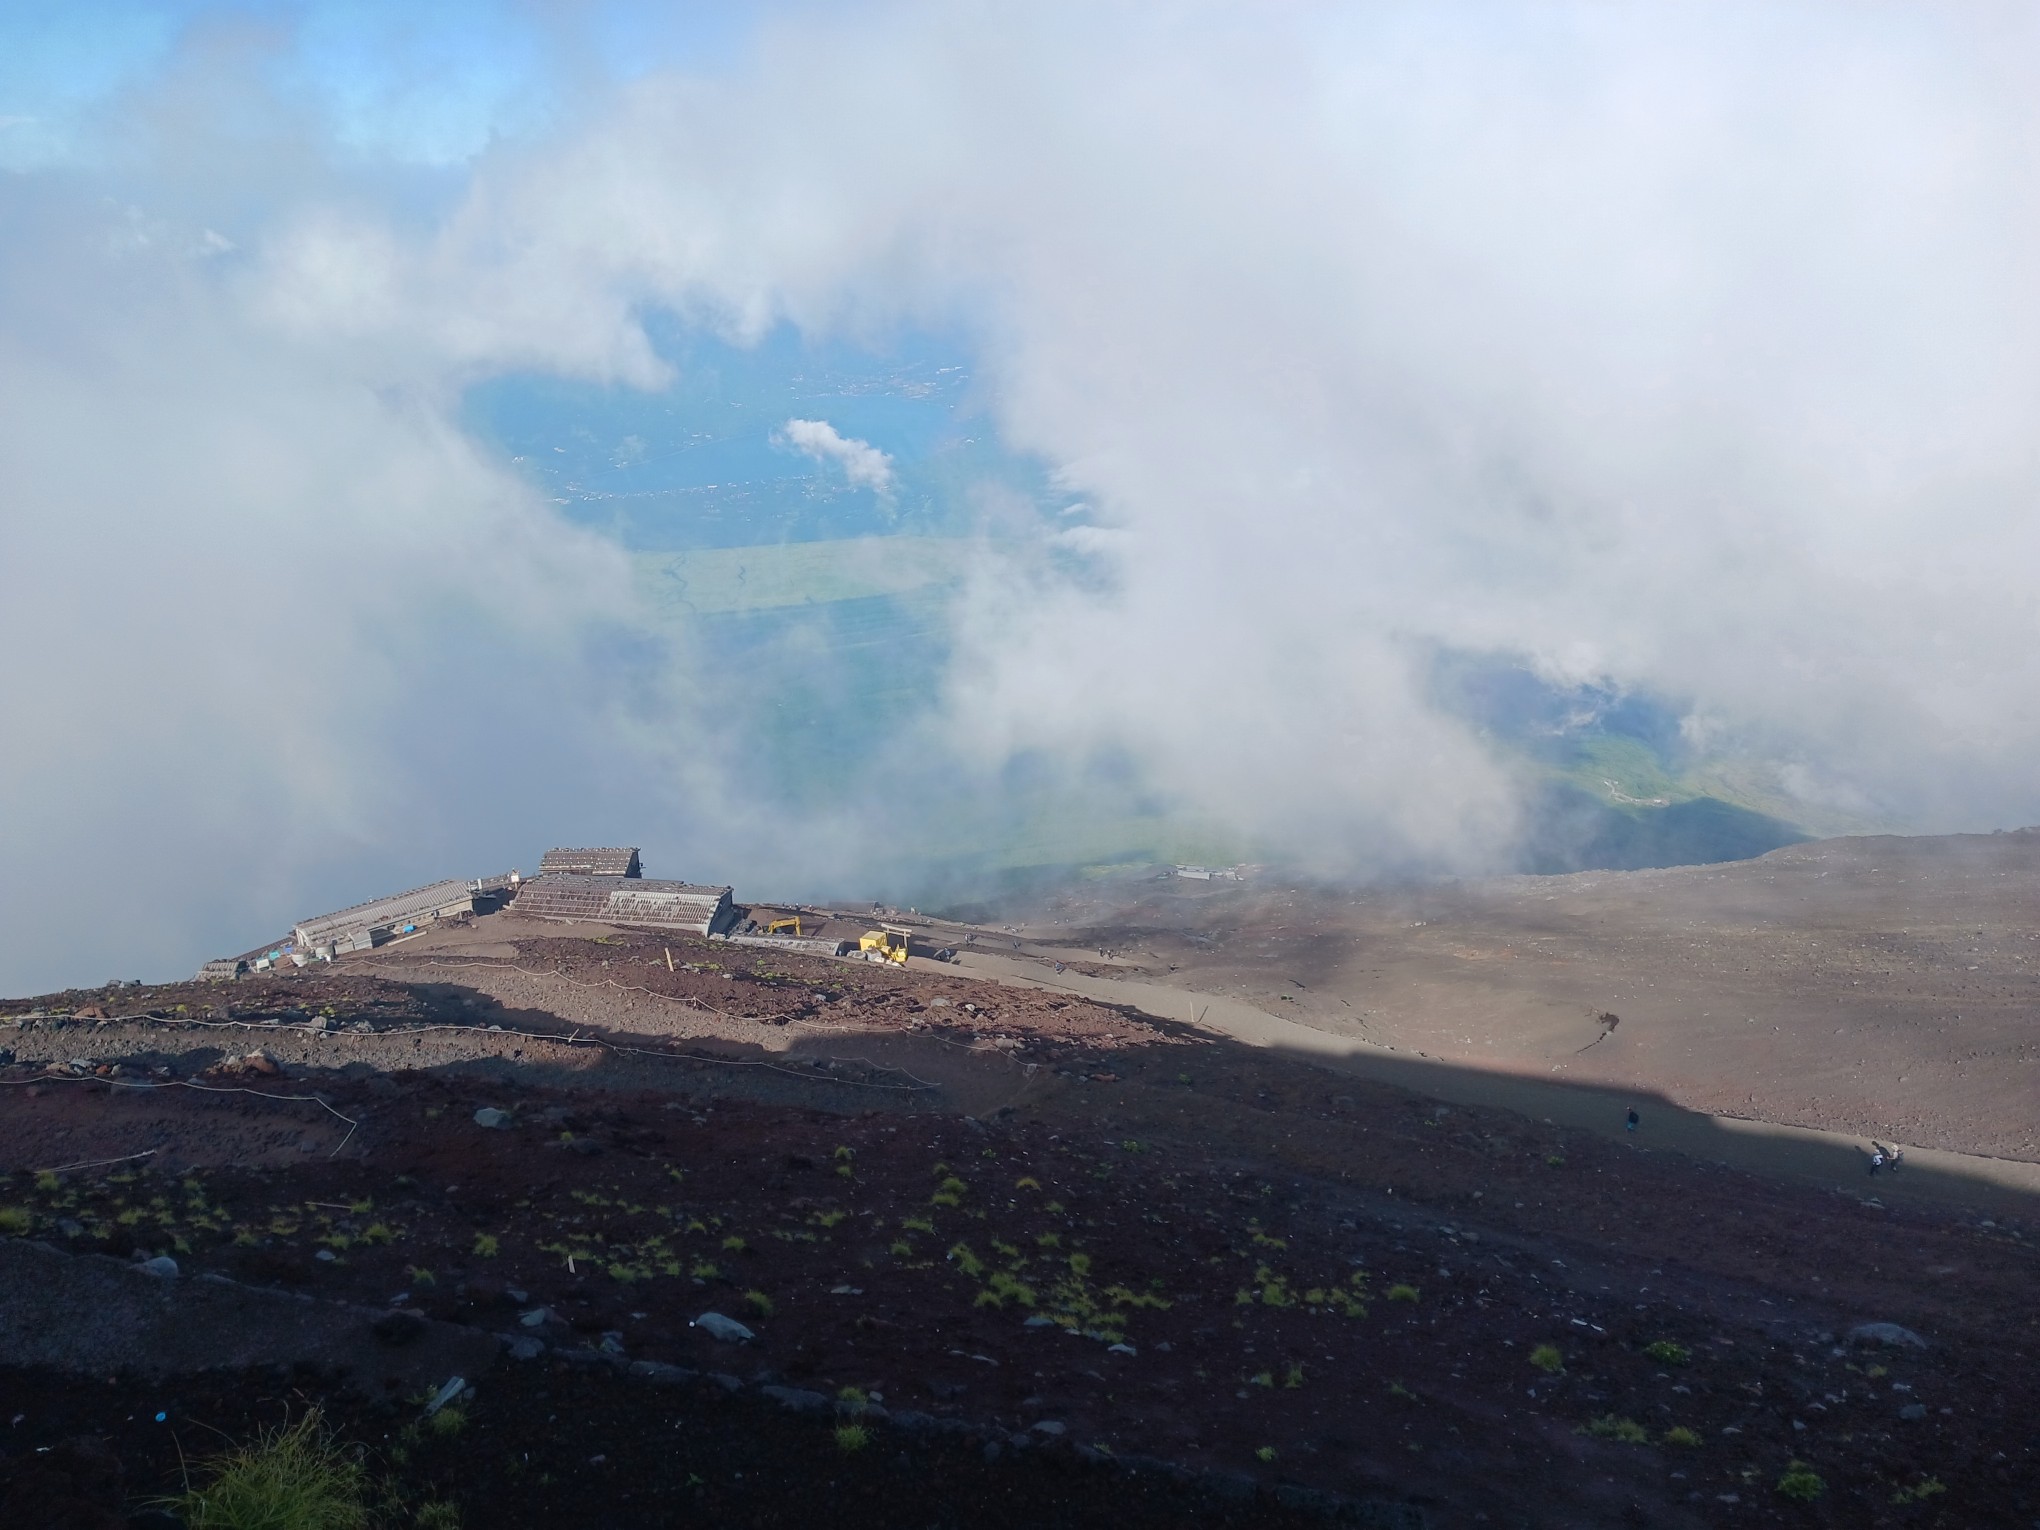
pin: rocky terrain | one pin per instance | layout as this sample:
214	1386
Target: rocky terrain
976	1253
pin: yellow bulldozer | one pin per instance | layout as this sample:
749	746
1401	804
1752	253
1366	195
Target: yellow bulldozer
888	943
781	926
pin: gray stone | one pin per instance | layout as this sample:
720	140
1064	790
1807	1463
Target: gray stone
1038	1321
1889	1334
523	1348
612	1344
724	1329
913	1422
659	1373
1051	1428
537	1317
797	1399
325	1256
488	1115
1913	1411
585	1359
162	1265
726	1381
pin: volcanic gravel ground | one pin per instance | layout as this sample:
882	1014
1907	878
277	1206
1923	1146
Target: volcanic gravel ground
1876	986
1175	1249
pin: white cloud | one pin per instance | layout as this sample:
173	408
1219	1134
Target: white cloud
1693	347
862	463
1682	348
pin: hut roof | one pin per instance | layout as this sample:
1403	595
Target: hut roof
615	861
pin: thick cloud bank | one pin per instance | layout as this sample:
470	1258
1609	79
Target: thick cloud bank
1691	349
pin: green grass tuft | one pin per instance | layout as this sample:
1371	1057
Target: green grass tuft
1612	1426
293	1478
15	1221
1548	1359
1801	1483
1403	1293
1665	1352
852	1437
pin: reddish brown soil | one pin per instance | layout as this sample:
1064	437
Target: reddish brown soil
1244	1223
1876	986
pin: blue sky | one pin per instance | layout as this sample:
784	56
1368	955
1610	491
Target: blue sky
404	83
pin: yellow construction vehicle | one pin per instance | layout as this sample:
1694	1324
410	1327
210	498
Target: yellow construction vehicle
781	926
888	943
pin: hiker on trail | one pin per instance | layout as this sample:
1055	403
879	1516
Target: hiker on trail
1876	1158
1891	1155
1633	1119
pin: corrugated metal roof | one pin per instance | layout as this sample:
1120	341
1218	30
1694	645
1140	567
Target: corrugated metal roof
418	903
622	900
614	861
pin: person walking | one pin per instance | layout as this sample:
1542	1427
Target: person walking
1876	1159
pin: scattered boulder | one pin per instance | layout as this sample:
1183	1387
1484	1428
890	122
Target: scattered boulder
490	1116
724	1329
162	1265
261	1064
1913	1412
1051	1428
523	1348
1888	1334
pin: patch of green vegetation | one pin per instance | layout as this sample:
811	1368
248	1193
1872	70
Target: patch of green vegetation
759	1303
1548	1359
1920	1491
1027	1182
448	1421
420	1276
735	1244
1265	1454
15	1221
1401	1293
1665	1352
1682	1436
437	1514
487	1246
1080	1265
1801	1483
296	1476
48	1183
851	1438
1612	1426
